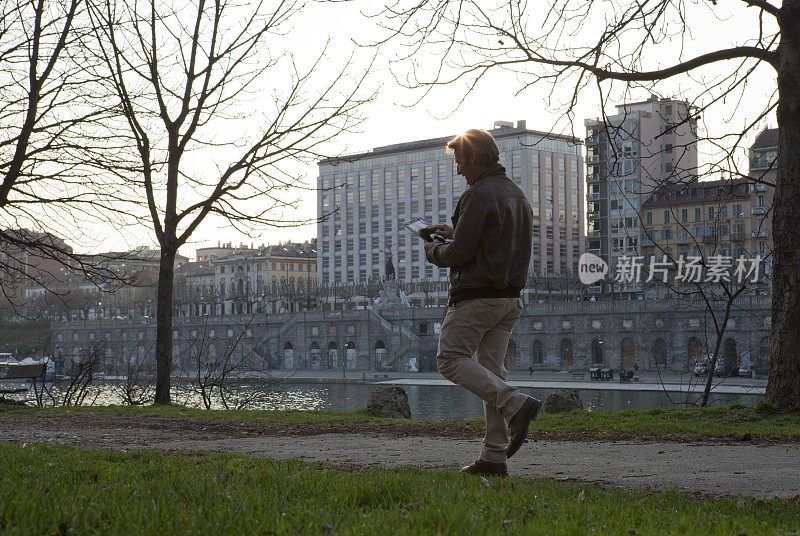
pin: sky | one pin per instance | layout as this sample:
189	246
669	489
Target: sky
394	117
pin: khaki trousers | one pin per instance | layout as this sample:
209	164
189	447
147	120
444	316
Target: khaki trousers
472	348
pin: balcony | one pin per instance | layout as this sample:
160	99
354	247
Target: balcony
647	241
593	196
710	239
762	164
594	159
736	237
758	210
684	239
760	233
595	233
759	187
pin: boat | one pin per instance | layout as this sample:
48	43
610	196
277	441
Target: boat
16	376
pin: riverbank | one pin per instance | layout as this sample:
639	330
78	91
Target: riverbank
646	381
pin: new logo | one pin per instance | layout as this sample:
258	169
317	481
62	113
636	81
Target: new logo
591	268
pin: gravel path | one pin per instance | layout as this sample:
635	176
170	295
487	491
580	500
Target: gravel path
763	470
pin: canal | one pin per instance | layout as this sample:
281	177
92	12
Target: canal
428	402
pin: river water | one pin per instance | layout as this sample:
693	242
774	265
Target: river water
428	402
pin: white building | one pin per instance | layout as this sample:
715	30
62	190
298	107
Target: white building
245	281
364	199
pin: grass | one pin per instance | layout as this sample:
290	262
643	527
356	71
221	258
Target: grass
725	422
60	490
721	422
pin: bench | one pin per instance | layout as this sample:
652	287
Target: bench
626	376
381	376
602	374
16	371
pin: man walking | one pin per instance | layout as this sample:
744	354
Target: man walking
488	259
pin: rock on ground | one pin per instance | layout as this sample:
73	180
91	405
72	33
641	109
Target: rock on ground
563	400
389	402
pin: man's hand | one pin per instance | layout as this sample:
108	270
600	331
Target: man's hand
441	229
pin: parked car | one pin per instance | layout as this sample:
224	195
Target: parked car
725	370
746	371
701	367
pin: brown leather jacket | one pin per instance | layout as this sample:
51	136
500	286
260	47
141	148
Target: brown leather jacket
491	248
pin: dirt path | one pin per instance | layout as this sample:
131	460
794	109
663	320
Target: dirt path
758	470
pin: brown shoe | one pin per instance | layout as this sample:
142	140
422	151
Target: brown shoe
519	424
484	468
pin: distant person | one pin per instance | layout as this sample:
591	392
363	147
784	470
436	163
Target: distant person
530	370
488	259
592	299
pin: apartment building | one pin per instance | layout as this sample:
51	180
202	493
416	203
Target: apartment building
704	218
727	218
643	147
364	199
763	174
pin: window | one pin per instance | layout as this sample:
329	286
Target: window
668	148
649	218
628	167
684	215
666	216
697	214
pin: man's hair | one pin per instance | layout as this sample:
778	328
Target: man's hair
476	144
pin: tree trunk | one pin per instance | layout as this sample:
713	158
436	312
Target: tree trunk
166	272
783	387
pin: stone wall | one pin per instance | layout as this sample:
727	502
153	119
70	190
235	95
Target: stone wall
559	335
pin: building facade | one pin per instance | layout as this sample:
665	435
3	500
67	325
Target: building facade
652	334
644	146
727	218
763	175
243	280
364	199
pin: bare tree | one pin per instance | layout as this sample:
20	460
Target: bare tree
75	385
132	376
218	115
576	45
217	366
53	135
716	277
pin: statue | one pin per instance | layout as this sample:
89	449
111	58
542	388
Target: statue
389	268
